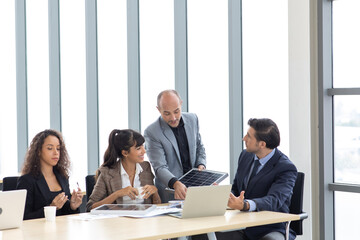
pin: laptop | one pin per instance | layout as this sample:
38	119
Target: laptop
12	204
205	201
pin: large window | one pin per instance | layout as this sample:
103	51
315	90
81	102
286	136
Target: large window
265	64
112	62
156	23
73	87
347	139
346	51
346	208
346	48
202	70
37	66
208	77
8	144
340	126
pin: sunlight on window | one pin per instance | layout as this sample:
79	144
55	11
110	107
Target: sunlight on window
347	139
112	54
8	130
73	87
265	64
209	78
156	54
37	48
346	51
346	206
346	47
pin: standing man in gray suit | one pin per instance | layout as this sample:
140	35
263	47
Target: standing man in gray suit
173	145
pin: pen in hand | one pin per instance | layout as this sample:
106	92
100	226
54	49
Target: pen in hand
77	192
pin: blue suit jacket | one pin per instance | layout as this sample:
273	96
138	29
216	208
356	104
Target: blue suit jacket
38	195
271	189
163	151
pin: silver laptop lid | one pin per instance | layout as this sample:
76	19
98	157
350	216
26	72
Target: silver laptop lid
12	204
206	201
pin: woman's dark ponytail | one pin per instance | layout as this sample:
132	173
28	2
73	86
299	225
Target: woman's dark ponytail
120	140
111	155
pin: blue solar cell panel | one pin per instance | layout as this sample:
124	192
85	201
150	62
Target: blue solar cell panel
194	177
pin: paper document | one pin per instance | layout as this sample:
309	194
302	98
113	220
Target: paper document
159	210
89	216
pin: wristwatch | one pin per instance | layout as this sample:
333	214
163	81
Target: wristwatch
246	206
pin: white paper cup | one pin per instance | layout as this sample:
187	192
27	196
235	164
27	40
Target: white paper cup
140	190
50	213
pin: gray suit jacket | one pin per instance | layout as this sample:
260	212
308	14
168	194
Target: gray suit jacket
163	151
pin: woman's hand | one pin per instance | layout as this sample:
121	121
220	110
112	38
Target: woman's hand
148	190
76	199
59	201
128	191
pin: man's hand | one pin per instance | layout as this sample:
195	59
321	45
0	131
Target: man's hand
180	190
236	202
201	167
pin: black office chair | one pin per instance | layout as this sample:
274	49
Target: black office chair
296	204
296	207
90	183
9	183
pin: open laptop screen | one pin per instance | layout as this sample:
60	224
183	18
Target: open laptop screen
205	201
12	205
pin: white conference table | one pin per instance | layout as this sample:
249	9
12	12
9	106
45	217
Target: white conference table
65	227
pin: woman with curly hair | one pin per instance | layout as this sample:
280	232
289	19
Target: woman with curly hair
124	177
45	176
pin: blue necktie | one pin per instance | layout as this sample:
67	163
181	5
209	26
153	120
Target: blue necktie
255	169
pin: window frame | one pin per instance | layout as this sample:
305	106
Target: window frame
326	93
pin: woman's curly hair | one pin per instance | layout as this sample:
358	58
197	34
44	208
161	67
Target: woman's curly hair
32	158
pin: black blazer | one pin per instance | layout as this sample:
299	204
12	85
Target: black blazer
38	195
271	189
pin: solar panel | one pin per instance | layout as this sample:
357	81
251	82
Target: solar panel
194	177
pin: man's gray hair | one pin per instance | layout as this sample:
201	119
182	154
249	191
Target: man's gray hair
167	91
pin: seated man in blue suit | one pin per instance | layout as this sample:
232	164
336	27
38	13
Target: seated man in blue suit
264	181
173	145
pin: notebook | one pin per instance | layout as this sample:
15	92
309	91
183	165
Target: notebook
205	201
12	204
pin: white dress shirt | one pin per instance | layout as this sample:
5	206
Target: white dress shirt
126	182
